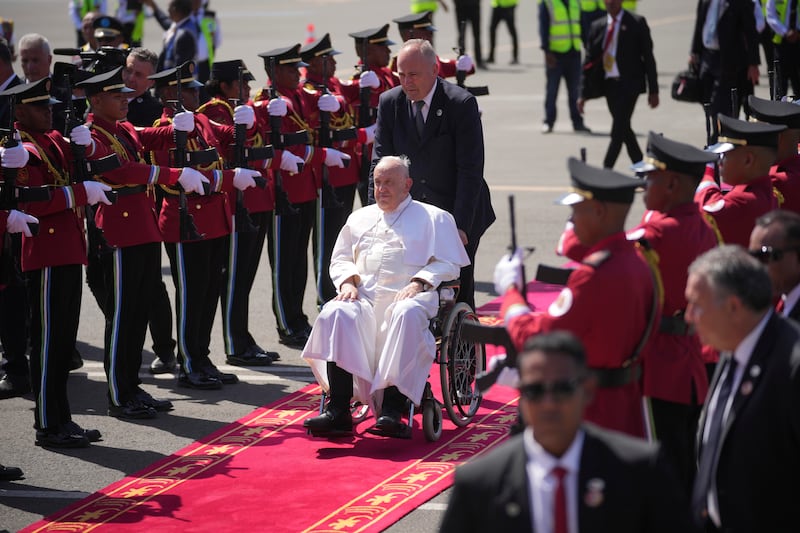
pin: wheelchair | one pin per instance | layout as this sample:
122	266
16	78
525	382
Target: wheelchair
459	360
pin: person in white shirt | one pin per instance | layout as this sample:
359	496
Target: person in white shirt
563	475
372	342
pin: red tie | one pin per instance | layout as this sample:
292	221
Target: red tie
780	306
560	508
610	35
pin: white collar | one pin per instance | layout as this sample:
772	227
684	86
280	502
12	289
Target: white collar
571	459
429	96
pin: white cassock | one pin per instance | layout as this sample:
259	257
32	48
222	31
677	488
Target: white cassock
380	342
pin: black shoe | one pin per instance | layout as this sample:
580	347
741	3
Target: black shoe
275	356
390	424
10	473
161	406
581	129
224	377
132	409
333	422
72	428
50	439
163	365
295	340
514	62
481	65
198	380
490	59
11	386
251	357
76	361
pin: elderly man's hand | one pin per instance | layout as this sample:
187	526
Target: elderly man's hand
347	292
409	291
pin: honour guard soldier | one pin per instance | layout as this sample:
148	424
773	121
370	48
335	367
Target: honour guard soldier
420	26
786	171
52	259
613	329
196	256
749	149
130	229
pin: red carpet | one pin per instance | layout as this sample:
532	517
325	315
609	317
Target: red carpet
263	473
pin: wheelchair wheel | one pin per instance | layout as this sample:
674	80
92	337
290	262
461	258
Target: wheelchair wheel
431	420
358	411
460	361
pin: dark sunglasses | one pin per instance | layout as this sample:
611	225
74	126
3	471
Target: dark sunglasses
765	254
559	390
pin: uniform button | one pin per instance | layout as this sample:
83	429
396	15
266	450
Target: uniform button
51	231
198	206
124	214
423	181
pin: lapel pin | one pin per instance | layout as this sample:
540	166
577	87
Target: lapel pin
438	112
755	371
594	492
746	388
513	509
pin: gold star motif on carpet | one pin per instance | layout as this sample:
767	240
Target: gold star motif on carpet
91	515
132	493
344	523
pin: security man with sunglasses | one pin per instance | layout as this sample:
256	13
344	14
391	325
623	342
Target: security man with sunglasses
775	241
562	474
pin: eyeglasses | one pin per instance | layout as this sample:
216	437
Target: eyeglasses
765	254
559	390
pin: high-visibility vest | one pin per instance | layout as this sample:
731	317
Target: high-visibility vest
592	5
90	5
208	27
565	25
137	34
629	5
780	9
420	6
504	3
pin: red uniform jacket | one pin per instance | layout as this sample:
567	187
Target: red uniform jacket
736	211
606	303
62	237
132	219
212	212
786	180
673	364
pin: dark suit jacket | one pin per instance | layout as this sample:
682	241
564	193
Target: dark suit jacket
738	39
5	107
144	110
447	163
182	47
635	61
759	457
639	495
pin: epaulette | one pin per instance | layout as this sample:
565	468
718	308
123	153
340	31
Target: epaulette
260	95
597	258
312	90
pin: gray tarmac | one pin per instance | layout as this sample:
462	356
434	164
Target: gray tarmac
519	160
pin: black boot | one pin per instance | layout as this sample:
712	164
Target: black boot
390	423
335	420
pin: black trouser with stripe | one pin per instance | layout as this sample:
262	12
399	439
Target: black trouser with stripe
238	275
289	260
197	272
328	223
54	294
130	275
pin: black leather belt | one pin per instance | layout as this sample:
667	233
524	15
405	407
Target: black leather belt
675	325
127	191
616	377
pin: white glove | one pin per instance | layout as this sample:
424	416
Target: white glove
277	107
464	63
17	222
192	181
329	103
183	121
81	135
244	114
243	178
369	79
335	158
508	272
370	132
96	192
16	157
289	162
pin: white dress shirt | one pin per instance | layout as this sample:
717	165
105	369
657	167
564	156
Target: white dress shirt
613	70
542	483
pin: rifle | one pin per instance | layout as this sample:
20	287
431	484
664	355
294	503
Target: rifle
188	229
583	154
461	75
364	121
776	69
734	102
279	140
711	136
243	155
326	139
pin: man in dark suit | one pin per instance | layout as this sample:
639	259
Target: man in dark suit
562	474
620	46
750	425
437	125
725	50
180	39
8	79
775	241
